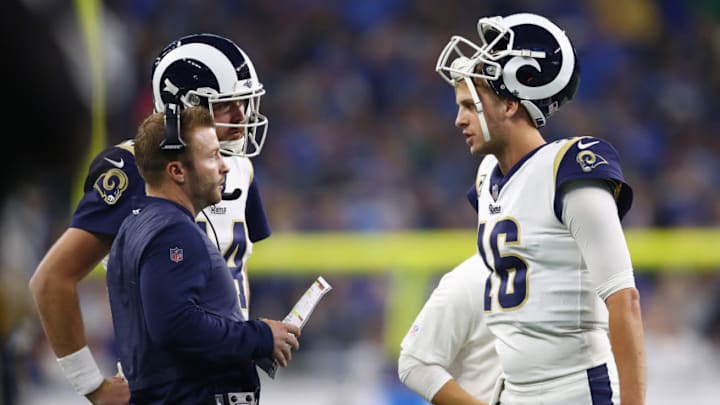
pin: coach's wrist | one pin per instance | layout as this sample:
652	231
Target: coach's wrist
266	345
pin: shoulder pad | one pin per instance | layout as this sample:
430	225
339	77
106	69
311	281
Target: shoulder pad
111	172
591	158
587	158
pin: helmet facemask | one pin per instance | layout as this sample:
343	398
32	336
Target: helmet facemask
254	124
463	60
462	69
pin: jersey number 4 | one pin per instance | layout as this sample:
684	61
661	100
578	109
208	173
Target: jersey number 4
510	269
233	255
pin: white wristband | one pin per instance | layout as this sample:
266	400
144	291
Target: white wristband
82	371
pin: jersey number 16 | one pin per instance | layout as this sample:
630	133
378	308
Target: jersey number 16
510	269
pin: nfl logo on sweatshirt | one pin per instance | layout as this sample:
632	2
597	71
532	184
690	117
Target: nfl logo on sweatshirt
176	255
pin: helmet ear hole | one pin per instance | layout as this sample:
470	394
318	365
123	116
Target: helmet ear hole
193	99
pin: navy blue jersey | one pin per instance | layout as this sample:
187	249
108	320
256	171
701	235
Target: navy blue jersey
112	181
591	158
257	222
175	312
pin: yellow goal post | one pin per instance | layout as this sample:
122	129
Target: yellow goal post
413	258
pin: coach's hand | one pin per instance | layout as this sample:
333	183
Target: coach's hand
284	340
113	391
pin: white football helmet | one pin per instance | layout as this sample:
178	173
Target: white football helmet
210	70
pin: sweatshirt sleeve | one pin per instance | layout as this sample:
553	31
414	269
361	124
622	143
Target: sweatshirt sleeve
179	312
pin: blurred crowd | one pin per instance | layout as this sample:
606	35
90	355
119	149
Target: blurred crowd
361	138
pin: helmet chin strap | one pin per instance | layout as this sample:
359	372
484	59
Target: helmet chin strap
478	108
236	146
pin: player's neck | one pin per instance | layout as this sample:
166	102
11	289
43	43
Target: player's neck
517	147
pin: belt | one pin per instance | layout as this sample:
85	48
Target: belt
234	398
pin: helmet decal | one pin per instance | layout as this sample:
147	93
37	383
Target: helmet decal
512	66
205	59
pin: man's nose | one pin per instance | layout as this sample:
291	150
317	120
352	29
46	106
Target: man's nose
459	119
237	106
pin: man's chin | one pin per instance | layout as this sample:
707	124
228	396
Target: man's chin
216	198
478	148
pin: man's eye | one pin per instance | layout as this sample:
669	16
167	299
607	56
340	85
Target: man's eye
227	105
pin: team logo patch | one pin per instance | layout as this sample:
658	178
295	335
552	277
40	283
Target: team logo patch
495	191
111	184
588	160
176	255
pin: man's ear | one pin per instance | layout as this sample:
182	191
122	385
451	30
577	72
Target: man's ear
176	171
511	107
515	110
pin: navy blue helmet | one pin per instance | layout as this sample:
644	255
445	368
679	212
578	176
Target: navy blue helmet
207	70
522	56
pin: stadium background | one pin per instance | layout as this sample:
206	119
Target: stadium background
363	174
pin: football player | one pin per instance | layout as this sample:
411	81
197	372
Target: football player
200	69
448	355
561	298
211	71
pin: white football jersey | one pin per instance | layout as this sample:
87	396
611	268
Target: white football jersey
540	302
450	330
228	225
